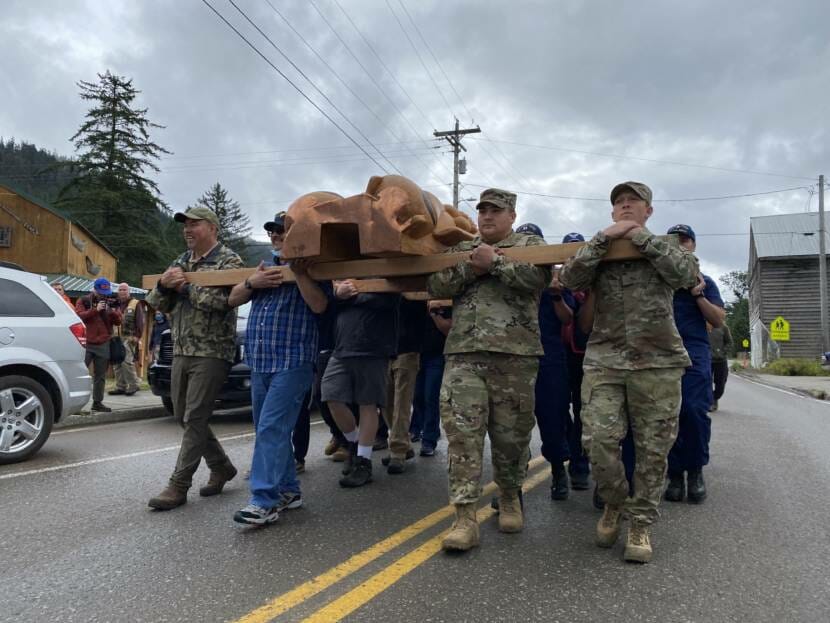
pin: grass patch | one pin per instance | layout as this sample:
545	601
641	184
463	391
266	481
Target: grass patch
796	367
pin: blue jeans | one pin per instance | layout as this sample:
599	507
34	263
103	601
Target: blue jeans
431	374
277	398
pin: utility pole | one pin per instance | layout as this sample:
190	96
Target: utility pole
453	137
822	268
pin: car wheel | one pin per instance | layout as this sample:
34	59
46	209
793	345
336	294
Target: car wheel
26	417
167	401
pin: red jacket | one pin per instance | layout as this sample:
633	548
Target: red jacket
98	324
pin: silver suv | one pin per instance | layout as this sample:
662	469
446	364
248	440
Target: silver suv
42	373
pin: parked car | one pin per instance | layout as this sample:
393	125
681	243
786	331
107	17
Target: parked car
237	388
43	377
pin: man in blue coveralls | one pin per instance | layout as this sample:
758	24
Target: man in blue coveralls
552	390
693	308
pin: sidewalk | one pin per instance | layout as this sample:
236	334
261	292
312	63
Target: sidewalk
142	404
815	386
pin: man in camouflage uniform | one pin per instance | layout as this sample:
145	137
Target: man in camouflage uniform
492	355
132	325
204	344
633	363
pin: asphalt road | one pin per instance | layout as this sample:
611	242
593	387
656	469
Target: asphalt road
80	544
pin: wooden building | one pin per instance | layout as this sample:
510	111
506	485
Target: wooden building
784	283
43	240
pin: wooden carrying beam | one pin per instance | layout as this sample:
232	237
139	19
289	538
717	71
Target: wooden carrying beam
384	273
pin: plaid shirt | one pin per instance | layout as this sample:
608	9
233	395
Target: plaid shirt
282	331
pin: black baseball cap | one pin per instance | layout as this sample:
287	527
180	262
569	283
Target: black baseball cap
278	224
683	230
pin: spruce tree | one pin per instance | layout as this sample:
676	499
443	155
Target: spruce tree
234	224
111	193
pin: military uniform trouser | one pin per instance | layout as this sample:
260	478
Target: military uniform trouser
400	388
648	401
125	377
487	393
194	385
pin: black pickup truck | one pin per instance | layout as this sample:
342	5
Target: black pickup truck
236	390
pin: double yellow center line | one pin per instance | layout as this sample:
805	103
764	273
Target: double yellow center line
379	582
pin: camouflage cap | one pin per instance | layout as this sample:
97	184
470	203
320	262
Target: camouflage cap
198	213
638	188
498	198
277	224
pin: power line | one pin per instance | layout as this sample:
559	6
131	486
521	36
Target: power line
311	82
385	125
289	81
605	199
652	160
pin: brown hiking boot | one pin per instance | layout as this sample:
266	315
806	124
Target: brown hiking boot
464	532
510	511
341	454
331	447
217	480
637	545
170	498
608	527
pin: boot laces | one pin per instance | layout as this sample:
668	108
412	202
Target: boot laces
611	517
638	536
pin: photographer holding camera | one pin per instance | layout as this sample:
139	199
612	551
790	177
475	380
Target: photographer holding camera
100	312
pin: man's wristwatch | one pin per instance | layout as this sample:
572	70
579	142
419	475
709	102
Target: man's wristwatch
248	284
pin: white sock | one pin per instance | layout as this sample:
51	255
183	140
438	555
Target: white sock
364	451
351	435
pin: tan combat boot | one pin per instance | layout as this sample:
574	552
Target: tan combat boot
608	528
638	545
217	480
170	498
510	511
464	533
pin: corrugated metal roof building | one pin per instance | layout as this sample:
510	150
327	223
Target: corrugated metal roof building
784	281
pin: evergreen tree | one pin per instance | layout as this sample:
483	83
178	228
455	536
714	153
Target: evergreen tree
737	311
234	224
110	192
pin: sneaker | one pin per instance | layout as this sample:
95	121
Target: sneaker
100	406
410	454
299	466
415	437
360	475
289	501
256	515
427	450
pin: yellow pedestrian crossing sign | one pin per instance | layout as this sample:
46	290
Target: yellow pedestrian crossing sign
780	330
745	343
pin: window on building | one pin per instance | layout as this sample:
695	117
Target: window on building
5	236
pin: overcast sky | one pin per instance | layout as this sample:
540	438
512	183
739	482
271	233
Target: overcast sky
571	97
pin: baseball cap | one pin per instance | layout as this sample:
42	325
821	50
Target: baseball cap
573	237
498	198
683	230
638	188
277	224
530	228
198	213
102	286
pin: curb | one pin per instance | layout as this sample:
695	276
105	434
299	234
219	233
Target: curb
125	415
817	394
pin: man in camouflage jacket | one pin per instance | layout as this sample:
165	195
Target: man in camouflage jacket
633	363
203	325
492	355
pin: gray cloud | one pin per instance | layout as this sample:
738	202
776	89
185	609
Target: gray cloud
736	85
